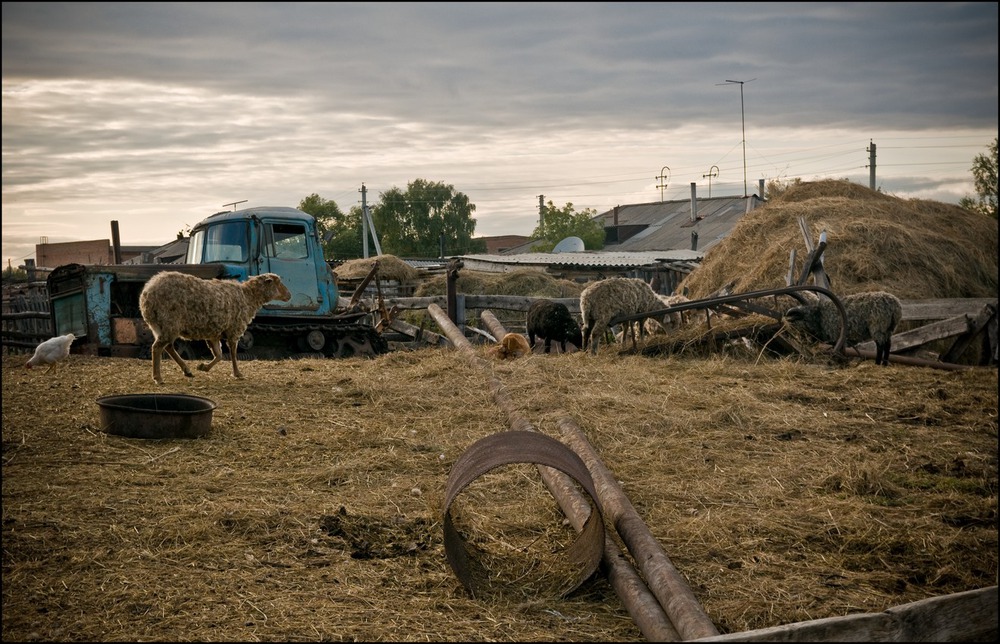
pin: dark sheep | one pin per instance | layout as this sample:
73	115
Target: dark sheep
552	321
870	316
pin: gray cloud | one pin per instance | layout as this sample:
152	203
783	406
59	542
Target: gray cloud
150	111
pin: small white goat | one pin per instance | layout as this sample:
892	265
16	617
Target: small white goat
176	305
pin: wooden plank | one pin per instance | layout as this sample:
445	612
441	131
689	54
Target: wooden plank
922	335
944	308
977	328
969	616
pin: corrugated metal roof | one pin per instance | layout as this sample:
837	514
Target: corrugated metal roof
664	236
668	224
587	259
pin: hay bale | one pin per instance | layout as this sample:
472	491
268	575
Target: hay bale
390	267
912	248
526	282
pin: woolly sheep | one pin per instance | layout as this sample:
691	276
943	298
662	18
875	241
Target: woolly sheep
176	305
675	320
604	300
870	316
552	321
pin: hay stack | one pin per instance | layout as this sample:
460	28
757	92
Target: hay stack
390	267
525	282
911	247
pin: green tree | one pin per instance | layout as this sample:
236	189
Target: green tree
340	234
984	174
13	275
560	223
413	223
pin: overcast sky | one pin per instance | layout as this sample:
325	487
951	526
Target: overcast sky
157	115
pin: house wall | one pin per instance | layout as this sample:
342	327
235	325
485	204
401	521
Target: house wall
93	252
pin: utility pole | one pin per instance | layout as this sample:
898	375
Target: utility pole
710	175
367	225
871	164
364	222
743	120
664	181
541	213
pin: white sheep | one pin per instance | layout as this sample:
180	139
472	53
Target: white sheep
870	316
672	321
609	298
176	305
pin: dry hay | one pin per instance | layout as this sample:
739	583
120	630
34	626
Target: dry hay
390	267
913	248
526	282
781	491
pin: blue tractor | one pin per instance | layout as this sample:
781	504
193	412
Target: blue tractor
100	304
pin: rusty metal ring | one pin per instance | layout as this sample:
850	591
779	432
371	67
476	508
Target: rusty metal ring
518	446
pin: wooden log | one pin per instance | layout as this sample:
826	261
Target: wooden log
493	325
667	584
917	362
416	332
640	603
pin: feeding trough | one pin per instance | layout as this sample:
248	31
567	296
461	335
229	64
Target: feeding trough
156	415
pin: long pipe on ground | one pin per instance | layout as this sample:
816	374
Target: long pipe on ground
669	586
641	604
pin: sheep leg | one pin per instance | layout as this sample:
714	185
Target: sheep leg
882	353
548	344
233	346
216	347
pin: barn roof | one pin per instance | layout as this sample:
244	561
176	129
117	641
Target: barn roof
668	225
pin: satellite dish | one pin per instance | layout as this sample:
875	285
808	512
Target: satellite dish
569	245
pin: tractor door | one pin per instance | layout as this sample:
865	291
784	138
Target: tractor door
287	252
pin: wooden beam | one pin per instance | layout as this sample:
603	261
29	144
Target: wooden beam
923	335
969	616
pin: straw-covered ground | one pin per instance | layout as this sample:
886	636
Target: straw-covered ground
781	490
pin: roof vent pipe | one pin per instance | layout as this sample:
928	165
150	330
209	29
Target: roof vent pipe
694	202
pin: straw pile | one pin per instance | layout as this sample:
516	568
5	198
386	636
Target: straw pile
782	491
390	267
913	248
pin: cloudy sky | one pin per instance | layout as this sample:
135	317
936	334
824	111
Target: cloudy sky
157	115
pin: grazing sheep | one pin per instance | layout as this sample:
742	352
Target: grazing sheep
674	320
176	305
870	316
513	345
51	352
604	300
552	321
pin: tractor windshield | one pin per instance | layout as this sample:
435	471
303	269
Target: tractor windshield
223	242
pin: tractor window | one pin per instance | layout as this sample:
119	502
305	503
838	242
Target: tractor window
225	242
287	241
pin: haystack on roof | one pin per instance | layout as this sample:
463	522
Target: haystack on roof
390	267
910	247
